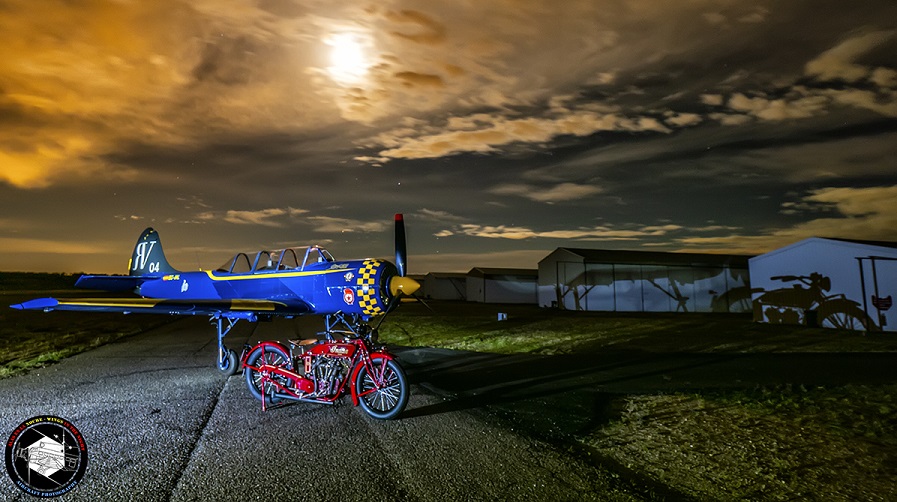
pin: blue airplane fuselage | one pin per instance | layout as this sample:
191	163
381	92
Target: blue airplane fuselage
352	287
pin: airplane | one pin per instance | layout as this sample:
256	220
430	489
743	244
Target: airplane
287	282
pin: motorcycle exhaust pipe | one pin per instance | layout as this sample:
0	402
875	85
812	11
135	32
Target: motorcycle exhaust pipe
301	399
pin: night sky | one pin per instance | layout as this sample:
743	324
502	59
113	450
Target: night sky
501	128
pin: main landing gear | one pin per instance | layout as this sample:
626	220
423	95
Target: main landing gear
227	358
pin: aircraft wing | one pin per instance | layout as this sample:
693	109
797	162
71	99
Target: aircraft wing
110	282
242	309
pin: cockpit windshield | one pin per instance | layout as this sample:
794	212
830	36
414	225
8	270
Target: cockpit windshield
278	260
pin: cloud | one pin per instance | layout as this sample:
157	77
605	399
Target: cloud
558	193
838	63
884	77
680	120
839	80
882	102
264	217
488	133
600	233
437	216
47	160
331	225
723	20
715	18
413	79
424	29
758	15
778	109
852	213
712	99
731	119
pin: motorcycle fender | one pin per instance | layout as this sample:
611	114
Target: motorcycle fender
357	370
246	352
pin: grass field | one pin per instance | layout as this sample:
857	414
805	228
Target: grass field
30	340
777	442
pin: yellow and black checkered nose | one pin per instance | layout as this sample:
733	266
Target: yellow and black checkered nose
372	297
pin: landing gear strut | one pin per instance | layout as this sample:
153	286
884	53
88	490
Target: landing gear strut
227	358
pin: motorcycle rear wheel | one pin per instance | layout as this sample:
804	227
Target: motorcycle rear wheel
387	400
267	354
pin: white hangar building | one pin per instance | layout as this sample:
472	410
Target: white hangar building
833	283
502	285
444	286
644	281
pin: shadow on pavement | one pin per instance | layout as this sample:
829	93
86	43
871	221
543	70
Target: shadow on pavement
567	394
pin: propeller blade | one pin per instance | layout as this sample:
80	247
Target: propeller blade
401	252
421	300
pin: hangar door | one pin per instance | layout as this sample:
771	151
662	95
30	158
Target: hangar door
651	288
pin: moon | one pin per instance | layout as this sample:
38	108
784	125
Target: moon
348	58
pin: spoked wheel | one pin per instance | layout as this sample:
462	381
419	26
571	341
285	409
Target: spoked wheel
382	389
265	355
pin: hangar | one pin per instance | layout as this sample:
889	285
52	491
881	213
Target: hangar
444	286
644	281
502	285
833	283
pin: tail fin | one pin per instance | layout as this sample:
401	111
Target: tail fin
148	257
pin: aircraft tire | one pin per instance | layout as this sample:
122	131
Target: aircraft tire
231	365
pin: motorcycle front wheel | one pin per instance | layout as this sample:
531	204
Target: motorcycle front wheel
382	389
260	356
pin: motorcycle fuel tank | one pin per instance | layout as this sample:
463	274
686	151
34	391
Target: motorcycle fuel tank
333	349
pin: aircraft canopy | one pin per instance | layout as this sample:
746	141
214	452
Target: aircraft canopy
295	258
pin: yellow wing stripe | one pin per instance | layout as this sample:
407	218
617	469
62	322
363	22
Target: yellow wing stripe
274	275
107	302
251	305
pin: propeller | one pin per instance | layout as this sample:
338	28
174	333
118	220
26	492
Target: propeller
401	284
401	251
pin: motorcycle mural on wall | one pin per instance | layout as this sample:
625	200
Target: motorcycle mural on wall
807	302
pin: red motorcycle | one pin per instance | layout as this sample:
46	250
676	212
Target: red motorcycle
320	371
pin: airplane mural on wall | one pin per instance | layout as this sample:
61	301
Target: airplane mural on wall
286	282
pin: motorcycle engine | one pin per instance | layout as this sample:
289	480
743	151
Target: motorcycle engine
329	374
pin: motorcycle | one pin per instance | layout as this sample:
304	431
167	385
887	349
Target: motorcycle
347	360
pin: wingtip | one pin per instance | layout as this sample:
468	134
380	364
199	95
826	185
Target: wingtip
37	304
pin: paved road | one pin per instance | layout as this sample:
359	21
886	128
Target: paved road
161	424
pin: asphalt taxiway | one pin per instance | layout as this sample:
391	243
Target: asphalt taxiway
162	424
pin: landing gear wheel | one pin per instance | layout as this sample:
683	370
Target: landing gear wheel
382	394
265	355
229	366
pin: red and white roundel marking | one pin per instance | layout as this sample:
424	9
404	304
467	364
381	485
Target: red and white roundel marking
349	296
